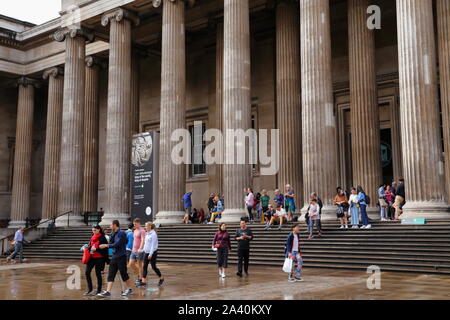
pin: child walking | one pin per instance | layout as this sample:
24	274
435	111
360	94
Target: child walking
293	252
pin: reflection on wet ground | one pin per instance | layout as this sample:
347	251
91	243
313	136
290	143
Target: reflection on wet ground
47	280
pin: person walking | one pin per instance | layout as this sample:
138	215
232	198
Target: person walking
97	260
19	239
187	203
341	201
293	252
130	238
222	245
118	242
363	208
314	218
250	203
136	262
289	202
151	253
313	196
243	237
354	208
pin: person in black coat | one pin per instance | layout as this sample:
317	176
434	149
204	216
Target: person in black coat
99	257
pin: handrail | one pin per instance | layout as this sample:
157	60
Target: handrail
36	225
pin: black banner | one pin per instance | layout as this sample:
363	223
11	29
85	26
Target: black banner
144	170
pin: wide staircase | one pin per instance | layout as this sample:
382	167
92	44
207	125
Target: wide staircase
391	246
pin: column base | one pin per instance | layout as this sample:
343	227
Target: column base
169	217
108	218
75	220
15	224
233	215
426	209
373	213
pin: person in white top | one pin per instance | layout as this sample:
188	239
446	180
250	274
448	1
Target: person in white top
280	216
353	202
250	203
151	253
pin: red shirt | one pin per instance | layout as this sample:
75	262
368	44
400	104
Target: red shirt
95	244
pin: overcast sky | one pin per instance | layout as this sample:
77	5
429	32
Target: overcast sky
34	11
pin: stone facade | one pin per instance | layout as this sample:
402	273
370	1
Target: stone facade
334	103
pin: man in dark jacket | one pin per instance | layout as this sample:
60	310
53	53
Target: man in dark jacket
243	236
117	242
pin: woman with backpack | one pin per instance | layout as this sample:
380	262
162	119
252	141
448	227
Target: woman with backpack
222	245
363	202
97	260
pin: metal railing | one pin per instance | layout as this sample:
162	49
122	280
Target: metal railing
5	241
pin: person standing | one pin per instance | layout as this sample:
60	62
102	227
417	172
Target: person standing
354	208
363	208
19	239
389	196
137	254
341	201
222	244
314	218
264	204
320	203
399	199
250	203
97	260
293	252
243	237
289	202
279	198
151	253
118	242
187	202
130	238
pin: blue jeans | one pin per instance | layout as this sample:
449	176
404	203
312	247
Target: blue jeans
364	217
311	226
18	249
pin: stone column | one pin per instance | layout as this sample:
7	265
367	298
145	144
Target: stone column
70	196
365	119
135	110
91	135
318	118
289	96
422	153
236	104
52	143
172	177
20	204
443	26
118	131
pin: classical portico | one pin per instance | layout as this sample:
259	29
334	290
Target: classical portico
353	105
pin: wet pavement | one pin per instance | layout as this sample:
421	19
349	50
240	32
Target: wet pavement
47	280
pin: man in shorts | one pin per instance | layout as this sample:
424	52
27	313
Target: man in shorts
137	253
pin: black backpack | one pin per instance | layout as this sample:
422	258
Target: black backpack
367	199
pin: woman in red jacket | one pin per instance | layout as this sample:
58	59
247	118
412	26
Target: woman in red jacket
222	244
98	259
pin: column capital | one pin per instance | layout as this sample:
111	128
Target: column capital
61	34
25	82
94	61
53	72
189	3
119	14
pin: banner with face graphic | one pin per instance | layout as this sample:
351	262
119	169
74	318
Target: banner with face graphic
144	175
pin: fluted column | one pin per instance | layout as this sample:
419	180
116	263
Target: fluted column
289	96
20	204
443	26
318	119
52	143
91	133
70	196
118	131
172	177
135	69
422	153
365	122
236	104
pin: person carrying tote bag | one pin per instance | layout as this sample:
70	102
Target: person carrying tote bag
293	253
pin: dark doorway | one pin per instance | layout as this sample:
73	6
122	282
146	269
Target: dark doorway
386	156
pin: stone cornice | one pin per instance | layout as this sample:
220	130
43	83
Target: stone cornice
119	14
61	34
189	3
53	72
